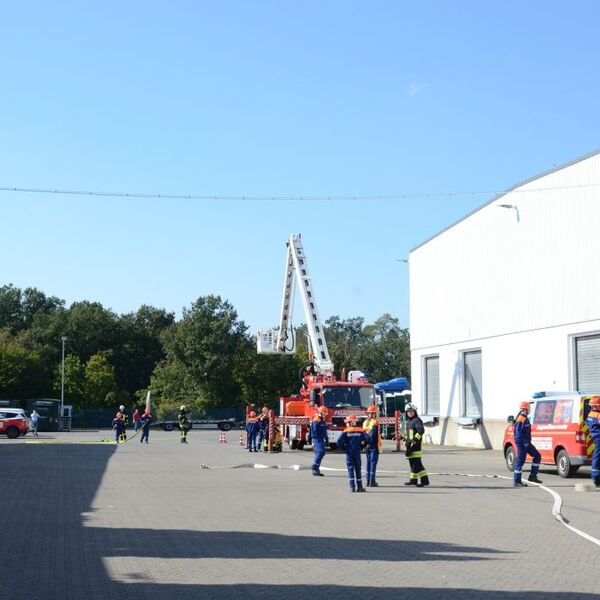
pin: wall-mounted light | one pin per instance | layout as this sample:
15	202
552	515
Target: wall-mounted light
513	206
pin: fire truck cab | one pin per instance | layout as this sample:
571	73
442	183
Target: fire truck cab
558	431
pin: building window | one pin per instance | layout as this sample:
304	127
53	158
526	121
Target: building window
431	365
587	364
472	403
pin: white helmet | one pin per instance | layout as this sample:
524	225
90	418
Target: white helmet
182	407
410	406
121	407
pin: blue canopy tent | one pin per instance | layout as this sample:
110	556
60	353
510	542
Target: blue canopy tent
398	384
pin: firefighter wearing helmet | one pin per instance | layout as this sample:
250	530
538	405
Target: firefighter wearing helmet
593	422
184	424
352	440
522	432
125	422
373	430
318	434
252	427
414	440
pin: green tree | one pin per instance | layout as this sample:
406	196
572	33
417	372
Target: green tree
100	387
74	380
22	373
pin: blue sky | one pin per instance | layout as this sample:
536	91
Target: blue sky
273	98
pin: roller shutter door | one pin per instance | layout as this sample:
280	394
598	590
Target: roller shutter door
472	384
587	364
432	385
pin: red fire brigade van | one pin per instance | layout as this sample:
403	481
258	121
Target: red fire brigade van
558	431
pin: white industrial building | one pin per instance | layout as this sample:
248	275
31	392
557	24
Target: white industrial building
506	302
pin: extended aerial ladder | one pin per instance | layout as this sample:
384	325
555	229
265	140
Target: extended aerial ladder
351	395
282	339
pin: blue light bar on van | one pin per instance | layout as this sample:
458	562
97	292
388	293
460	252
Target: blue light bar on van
538	394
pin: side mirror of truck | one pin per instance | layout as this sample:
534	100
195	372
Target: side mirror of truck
511	419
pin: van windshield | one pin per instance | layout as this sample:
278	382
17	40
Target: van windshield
348	396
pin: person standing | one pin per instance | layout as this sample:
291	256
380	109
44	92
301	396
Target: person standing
252	431
263	428
414	440
125	423
372	429
35	419
318	434
136	419
522	432
145	422
352	440
593	422
119	426
184	424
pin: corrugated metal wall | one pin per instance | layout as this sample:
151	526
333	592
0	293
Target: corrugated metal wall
502	271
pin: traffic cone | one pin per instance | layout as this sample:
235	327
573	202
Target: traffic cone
241	439
220	438
225	438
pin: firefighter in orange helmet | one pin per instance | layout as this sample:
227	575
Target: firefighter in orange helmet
318	435
372	429
352	440
593	422
522	434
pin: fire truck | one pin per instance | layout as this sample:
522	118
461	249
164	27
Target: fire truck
351	394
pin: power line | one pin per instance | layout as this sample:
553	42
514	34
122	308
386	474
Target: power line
287	198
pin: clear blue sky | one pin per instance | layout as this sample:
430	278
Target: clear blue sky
271	98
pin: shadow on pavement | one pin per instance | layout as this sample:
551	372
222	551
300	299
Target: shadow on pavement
47	552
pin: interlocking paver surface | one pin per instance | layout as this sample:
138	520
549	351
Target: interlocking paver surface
100	521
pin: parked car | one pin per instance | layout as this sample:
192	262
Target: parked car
13	422
558	431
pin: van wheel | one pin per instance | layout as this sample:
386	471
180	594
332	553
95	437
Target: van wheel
509	457
332	446
563	464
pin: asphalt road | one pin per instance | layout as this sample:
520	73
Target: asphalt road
165	521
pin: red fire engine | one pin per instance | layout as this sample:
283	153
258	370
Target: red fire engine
348	395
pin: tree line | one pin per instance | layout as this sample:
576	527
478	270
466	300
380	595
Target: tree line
207	359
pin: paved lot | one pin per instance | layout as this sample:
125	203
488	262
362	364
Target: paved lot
100	521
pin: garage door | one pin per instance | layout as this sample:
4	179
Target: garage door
587	364
472	383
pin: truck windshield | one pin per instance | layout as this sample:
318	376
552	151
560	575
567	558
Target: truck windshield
348	397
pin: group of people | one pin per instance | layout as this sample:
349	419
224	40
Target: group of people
257	430
141	420
368	437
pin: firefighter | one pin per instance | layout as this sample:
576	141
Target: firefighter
318	434
125	423
263	427
524	447
119	426
373	430
145	422
252	427
593	422
277	440
184	424
414	451
352	440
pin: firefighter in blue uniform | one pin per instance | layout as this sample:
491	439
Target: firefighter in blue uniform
414	440
184	424
522	434
373	430
252	427
146	421
593	422
119	426
318	434
352	440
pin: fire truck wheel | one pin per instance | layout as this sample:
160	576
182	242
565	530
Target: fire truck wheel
332	446
563	464
293	443
509	456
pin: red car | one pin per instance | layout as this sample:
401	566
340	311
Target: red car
558	431
13	422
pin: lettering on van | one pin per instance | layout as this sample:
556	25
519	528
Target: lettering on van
543	443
